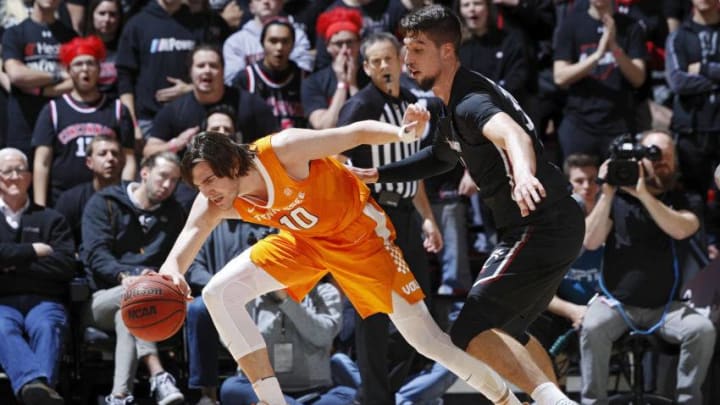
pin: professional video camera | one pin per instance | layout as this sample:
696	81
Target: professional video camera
622	168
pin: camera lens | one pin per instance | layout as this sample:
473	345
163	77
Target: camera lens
652	152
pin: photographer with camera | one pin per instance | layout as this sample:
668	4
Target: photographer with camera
646	228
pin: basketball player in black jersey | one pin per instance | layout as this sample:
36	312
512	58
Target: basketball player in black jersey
540	227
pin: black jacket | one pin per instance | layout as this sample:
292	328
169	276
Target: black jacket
119	237
153	46
696	106
21	270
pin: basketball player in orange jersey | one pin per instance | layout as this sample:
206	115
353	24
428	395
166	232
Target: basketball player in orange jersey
328	224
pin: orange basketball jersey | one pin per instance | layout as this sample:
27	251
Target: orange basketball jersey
324	203
328	223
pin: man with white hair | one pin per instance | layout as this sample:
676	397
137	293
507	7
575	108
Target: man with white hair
36	264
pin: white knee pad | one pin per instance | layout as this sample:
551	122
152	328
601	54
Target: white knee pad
225	297
420	330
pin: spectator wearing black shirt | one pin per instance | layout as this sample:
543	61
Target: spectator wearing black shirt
276	78
492	51
693	72
646	230
325	91
178	121
103	157
30	59
67	124
152	56
36	265
385	100
599	58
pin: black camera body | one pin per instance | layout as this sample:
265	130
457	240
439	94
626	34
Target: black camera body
622	169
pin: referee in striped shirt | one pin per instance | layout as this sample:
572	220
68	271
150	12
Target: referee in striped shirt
384	99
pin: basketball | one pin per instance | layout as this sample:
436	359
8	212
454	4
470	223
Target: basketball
153	308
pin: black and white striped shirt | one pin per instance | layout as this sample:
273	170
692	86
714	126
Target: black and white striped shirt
371	103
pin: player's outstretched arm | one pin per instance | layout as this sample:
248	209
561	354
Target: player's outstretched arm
301	145
429	161
203	218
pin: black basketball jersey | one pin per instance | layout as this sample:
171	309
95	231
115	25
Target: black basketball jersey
68	126
474	100
282	95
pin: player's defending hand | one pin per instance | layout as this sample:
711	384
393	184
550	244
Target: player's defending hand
528	191
369	175
414	122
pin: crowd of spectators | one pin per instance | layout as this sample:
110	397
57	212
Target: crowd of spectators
99	98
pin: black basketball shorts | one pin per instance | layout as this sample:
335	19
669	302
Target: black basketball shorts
522	274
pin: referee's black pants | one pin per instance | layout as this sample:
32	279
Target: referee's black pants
383	356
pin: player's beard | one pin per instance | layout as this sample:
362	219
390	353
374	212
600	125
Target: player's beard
426	84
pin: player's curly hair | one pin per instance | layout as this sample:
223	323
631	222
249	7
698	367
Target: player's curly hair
225	157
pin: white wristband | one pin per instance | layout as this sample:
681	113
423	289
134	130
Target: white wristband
407	135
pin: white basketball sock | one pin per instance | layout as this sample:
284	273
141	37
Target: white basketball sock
549	394
268	391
